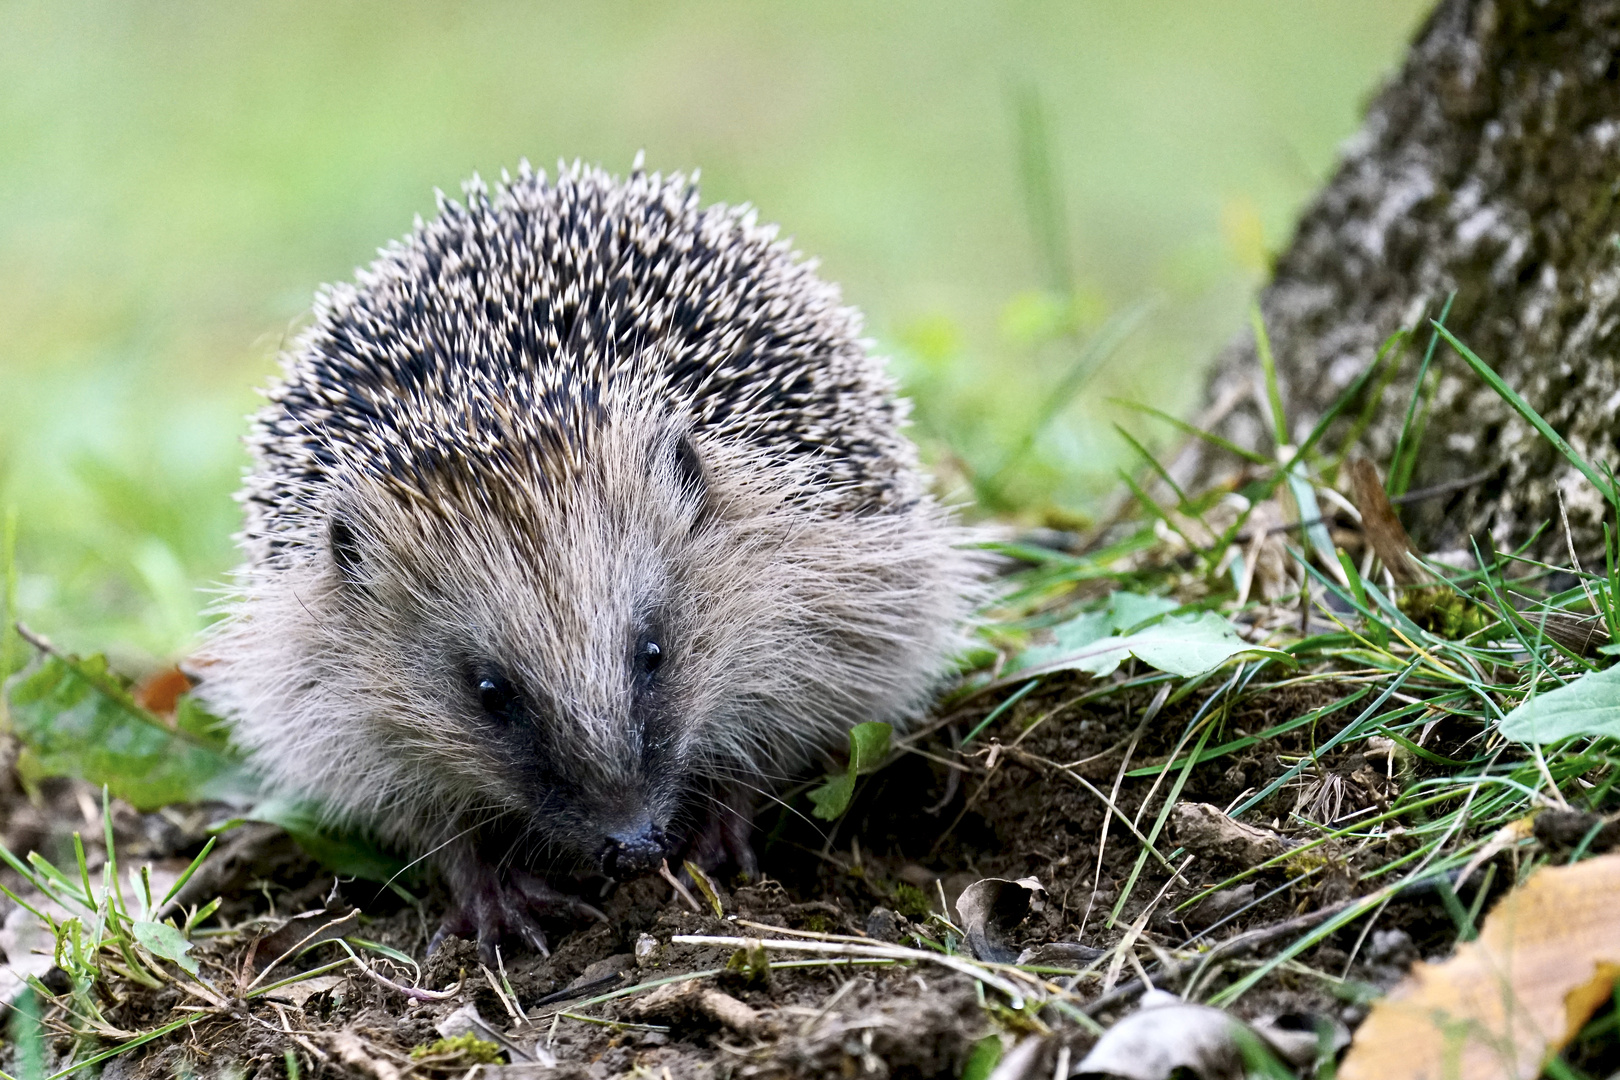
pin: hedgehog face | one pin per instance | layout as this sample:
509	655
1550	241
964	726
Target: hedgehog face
532	645
562	651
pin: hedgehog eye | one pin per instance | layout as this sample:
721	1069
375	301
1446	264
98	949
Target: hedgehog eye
649	656
497	696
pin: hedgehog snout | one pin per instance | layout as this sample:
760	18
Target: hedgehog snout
632	852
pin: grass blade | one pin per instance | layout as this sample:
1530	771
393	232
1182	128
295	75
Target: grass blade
1196	432
1404	459
1268	364
1533	418
180	882
1037	170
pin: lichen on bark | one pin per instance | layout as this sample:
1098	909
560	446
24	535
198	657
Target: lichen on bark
1488	167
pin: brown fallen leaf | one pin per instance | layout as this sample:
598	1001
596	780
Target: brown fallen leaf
160	691
1544	962
991	908
297	993
1384	530
302	932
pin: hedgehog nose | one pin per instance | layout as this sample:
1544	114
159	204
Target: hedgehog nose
633	852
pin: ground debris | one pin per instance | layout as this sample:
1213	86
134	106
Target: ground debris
1546	959
682	1004
991	908
359	1053
1206	831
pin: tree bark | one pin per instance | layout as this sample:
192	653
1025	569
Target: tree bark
1489	167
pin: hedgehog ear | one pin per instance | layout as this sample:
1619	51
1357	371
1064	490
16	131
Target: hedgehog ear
690	478
345	548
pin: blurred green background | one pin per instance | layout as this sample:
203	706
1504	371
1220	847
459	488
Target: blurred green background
992	182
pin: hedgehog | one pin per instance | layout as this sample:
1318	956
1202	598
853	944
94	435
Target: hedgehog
581	521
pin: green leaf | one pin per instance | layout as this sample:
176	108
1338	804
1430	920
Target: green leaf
203	726
161	939
832	797
1192	644
1310	511
1589	705
1069	637
342	850
1124	610
1180	644
1128	609
983	1059
76	719
868	747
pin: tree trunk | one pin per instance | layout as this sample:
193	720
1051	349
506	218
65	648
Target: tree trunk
1488	168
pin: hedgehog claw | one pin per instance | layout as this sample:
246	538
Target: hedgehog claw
490	907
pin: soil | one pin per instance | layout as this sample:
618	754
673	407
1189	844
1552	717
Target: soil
1024	799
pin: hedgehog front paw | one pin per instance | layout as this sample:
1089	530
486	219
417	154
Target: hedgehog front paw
490	907
726	836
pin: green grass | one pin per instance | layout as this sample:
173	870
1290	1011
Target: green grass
991	185
1393	667
1053	220
106	935
1396	669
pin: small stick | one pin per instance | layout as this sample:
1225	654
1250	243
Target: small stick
675	883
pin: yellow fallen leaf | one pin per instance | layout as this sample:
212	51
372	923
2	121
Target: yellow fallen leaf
1546	959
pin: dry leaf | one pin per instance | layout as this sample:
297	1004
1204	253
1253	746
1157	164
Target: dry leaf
160	692
1164	1035
1546	959
296	994
1383	528
1167	1037
1267	566
302	932
990	909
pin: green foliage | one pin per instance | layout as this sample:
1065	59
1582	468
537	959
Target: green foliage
162	939
28	1036
1586	705
868	746
1262	347
749	966
1405	457
103	931
983	1058
1184	645
344	850
1443	611
1258	1061
76	718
